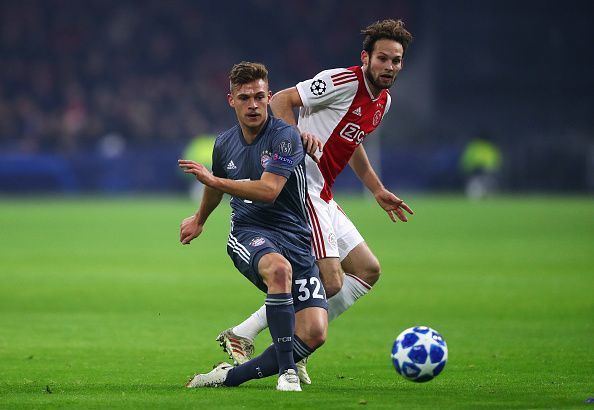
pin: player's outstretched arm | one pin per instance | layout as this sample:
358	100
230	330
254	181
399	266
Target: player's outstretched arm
265	189
394	206
192	226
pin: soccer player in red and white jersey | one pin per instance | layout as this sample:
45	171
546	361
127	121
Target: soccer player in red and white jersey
340	107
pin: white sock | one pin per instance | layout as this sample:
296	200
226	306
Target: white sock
352	289
253	325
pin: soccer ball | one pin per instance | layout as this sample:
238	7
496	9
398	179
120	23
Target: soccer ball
419	354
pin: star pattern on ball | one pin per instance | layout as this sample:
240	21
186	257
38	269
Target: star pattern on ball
402	356
425	353
428	367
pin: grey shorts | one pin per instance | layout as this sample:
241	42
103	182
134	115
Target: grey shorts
247	247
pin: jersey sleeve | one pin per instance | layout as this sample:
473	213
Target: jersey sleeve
328	88
287	152
218	168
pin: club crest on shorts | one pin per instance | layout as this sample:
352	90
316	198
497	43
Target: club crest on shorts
258	241
265	158
332	239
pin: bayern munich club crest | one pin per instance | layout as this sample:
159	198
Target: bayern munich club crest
377	117
258	241
318	87
265	158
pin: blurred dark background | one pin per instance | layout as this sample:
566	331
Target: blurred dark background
104	96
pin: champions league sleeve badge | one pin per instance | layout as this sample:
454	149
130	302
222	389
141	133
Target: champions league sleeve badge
286	147
318	87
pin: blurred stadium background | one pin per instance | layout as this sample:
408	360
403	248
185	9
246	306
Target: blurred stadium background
101	307
104	96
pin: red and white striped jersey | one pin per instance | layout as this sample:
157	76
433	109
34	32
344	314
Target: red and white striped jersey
340	110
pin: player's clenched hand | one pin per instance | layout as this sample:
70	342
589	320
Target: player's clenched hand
312	145
393	205
189	229
200	171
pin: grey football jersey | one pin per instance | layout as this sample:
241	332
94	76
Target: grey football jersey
277	149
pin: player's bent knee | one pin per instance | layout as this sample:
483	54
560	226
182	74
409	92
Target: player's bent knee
332	288
372	272
312	326
281	275
318	337
277	274
315	337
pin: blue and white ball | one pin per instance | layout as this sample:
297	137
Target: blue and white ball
419	354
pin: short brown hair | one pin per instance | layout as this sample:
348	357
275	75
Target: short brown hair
390	29
246	72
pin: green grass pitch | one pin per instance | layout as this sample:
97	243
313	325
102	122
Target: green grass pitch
101	307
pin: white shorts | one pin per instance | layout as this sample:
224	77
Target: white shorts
333	233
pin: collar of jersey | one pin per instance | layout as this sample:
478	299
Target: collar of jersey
262	131
367	86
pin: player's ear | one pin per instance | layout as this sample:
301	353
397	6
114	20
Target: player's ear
269	95
230	100
364	58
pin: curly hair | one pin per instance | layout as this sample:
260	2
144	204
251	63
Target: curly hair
390	29
246	72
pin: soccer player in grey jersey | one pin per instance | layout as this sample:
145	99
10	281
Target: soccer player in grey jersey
260	163
341	107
